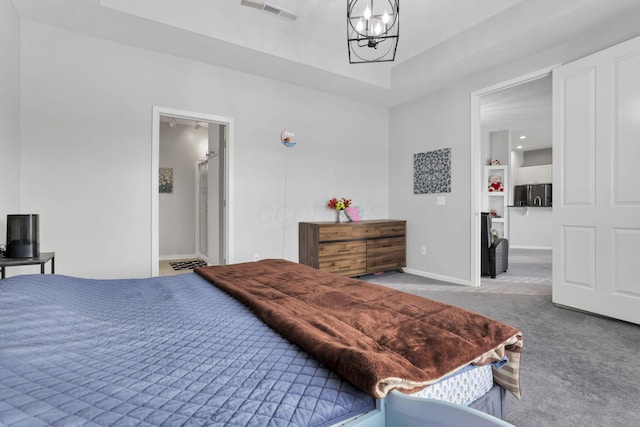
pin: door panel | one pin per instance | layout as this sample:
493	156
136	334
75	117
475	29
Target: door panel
627	143
579	250
596	217
578	160
625	243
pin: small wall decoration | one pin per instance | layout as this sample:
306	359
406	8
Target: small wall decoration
287	138
432	172
166	180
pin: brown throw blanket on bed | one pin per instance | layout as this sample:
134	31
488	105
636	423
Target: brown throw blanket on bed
376	337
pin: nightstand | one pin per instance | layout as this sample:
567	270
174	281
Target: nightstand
42	260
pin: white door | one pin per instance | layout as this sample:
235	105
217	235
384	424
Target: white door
202	182
596	176
211	196
216	194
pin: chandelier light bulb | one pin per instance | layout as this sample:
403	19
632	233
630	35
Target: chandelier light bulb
378	28
367	13
385	17
360	25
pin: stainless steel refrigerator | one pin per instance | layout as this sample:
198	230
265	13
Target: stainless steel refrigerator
533	195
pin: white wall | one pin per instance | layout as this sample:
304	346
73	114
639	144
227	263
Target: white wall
499	146
87	162
9	114
517	157
543	156
434	122
438	120
180	147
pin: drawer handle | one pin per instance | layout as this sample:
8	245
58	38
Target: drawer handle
386	246
344	268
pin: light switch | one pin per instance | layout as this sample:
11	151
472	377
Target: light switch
440	201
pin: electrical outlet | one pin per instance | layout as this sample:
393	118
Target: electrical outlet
256	257
423	250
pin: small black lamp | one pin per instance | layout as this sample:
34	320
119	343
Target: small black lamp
23	239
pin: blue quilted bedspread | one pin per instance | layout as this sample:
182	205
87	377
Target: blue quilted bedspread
168	351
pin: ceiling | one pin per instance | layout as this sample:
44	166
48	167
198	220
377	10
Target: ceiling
525	110
441	41
319	28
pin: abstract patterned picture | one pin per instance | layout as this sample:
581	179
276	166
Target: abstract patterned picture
432	172
166	180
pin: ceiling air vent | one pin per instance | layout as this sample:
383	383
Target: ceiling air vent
271	9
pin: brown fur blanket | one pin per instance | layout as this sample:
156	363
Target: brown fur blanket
376	337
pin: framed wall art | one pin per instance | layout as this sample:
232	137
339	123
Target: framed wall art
166	180
432	172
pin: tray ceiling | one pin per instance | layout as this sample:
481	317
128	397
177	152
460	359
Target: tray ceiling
441	41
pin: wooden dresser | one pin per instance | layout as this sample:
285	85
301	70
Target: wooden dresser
353	248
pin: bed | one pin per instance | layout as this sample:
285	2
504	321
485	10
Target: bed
182	350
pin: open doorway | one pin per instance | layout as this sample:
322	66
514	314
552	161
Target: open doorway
511	126
190	204
517	133
209	194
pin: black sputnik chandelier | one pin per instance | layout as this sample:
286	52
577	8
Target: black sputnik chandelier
372	30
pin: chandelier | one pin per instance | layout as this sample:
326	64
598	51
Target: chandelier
372	30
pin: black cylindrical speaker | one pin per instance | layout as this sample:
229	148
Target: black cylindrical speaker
23	239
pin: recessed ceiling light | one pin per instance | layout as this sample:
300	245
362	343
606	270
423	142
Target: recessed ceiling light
519	147
523	136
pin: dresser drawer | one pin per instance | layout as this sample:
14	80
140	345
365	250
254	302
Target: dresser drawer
387	262
365	231
378	246
397	229
345	265
345	258
328	233
341	249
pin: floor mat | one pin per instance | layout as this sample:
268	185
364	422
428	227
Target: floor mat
188	264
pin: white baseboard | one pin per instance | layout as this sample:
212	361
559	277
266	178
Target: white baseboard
453	280
177	257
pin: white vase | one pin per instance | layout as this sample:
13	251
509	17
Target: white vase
342	217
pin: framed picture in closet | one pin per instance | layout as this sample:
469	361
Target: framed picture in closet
166	180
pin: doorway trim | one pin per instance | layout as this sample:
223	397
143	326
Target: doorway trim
155	164
476	154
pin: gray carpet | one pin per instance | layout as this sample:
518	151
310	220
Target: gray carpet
577	369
